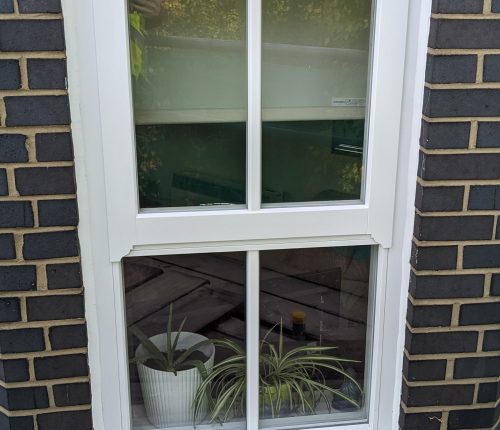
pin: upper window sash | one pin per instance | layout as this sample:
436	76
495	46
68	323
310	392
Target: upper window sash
130	228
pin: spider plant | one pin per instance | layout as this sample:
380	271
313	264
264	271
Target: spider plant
292	380
168	360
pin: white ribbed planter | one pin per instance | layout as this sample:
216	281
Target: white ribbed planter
168	398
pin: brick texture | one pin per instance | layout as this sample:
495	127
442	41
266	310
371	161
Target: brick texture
452	348
44	376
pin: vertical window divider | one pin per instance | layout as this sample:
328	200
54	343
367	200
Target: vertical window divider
252	339
254	101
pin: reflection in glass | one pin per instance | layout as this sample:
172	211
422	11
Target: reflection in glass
314	86
203	297
313	316
188	63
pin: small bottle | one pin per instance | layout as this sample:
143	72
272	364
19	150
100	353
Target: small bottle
299	325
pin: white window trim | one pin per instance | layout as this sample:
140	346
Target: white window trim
388	198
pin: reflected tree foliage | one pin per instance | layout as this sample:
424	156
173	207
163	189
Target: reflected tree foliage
327	23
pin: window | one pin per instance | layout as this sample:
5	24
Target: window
248	179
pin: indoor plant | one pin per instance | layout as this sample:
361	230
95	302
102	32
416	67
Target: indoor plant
290	381
170	367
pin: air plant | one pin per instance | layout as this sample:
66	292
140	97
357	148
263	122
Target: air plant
168	360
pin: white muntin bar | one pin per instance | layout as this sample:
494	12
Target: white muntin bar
252	341
254	115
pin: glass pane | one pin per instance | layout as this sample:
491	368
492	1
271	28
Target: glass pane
314	319
167	388
188	62
314	87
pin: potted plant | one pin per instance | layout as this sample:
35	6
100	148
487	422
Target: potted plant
291	382
170	367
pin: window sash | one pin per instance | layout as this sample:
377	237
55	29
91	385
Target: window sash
130	229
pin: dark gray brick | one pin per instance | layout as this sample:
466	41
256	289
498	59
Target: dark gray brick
10	310
73	420
434	257
437	199
7	247
424	370
480	313
446	69
457	6
4	186
488	392
491	68
484	197
16	399
66	337
62	366
16	423
495	285
488	135
31	35
58	212
54	147
10	76
424	420
16	214
37	110
50	245
429	316
471	419
453	228
39	6
55	307
6	6
446	135
45	180
21	340
460	166
461	103
72	394
445	287
47	74
464	33
17	278
14	370
495	6
438	395
13	149
437	343
491	341
481	256
476	367
61	276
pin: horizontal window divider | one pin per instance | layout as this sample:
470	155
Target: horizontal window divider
252	245
229	227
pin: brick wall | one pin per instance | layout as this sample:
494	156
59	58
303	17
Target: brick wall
44	381
452	350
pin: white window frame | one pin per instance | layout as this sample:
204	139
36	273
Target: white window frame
112	227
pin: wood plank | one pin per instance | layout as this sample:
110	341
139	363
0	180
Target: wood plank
318	297
158	293
318	324
219	266
136	274
202	307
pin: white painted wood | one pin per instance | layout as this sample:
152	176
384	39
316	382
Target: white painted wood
253	339
398	272
232	225
111	226
254	114
384	116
